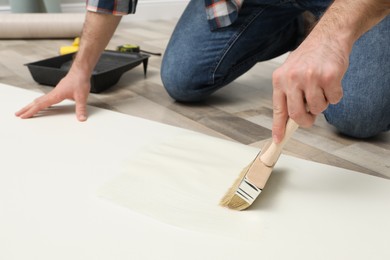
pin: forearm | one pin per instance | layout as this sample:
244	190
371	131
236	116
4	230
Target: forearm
97	32
346	20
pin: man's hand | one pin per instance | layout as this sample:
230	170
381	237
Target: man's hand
74	87
307	83
97	32
310	79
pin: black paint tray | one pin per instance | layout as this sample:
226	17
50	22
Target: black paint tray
108	70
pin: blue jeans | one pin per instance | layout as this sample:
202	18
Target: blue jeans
197	61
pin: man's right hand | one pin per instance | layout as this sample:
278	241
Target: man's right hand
73	86
310	79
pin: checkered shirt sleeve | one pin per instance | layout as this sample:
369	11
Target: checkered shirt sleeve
115	7
222	13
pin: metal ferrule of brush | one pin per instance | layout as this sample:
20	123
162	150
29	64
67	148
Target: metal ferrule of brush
248	191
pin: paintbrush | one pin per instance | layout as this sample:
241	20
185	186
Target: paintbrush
253	178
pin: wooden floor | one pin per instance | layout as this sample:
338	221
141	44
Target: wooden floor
240	112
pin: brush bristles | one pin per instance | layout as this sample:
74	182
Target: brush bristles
231	200
237	203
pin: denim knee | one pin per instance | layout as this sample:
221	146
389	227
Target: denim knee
357	123
183	83
178	86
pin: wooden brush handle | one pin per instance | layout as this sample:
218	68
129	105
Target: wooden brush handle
272	153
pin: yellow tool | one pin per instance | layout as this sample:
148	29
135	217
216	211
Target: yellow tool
131	48
71	49
128	48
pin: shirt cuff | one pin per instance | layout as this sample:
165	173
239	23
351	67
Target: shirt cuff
104	11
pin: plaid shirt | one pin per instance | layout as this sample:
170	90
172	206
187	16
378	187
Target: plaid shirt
220	13
115	7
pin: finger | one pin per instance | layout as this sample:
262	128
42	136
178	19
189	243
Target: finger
297	109
314	97
39	104
31	109
81	108
316	101
24	109
28	113
280	116
334	93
